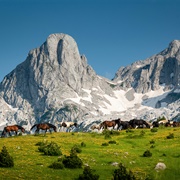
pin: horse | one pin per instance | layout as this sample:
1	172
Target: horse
44	126
138	123
68	124
125	125
163	122
15	128
113	123
93	127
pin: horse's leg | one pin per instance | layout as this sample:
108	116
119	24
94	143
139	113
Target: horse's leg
37	131
16	132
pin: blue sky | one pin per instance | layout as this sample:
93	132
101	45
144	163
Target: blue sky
111	33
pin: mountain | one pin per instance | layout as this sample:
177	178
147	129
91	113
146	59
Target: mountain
55	84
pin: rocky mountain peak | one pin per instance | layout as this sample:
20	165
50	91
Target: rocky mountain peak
55	84
173	49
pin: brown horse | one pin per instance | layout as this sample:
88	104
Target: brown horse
113	123
44	126
15	128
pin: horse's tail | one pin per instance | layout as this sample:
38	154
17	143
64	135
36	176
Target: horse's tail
4	132
33	127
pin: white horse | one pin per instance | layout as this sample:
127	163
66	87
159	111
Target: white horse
93	127
163	122
68	125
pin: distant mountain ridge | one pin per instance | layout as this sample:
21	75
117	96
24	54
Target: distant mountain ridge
55	84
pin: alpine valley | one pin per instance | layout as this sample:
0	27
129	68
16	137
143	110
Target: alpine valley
55	83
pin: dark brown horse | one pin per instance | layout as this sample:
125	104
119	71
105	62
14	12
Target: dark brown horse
44	126
135	123
14	128
113	123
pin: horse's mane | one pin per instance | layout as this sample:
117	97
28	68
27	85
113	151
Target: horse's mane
51	125
20	127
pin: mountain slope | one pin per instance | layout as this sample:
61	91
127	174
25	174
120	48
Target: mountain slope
56	84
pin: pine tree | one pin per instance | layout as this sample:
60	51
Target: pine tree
5	159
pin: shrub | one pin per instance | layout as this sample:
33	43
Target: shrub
112	142
51	149
88	174
154	130
147	153
170	136
152	142
83	144
72	161
57	165
104	144
42	143
123	173
76	149
5	159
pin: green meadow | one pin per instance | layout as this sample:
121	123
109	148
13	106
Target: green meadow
100	152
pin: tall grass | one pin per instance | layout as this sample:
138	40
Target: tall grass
29	163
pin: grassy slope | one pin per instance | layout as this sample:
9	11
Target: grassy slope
129	148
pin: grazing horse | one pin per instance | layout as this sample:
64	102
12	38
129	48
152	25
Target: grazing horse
163	122
138	123
93	127
125	125
68	125
44	126
15	128
113	123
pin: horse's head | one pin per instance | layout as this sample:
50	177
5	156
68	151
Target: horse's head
75	124
64	124
55	129
23	130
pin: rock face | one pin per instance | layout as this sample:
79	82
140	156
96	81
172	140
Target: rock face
150	74
49	78
56	84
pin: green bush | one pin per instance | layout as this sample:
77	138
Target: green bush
152	142
105	144
122	173
147	153
112	142
83	144
88	174
42	143
154	130
76	149
5	159
51	149
72	161
57	165
170	136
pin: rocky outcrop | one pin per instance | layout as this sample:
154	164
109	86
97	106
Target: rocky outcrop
150	74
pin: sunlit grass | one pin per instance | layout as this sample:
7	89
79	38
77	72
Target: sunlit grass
129	148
